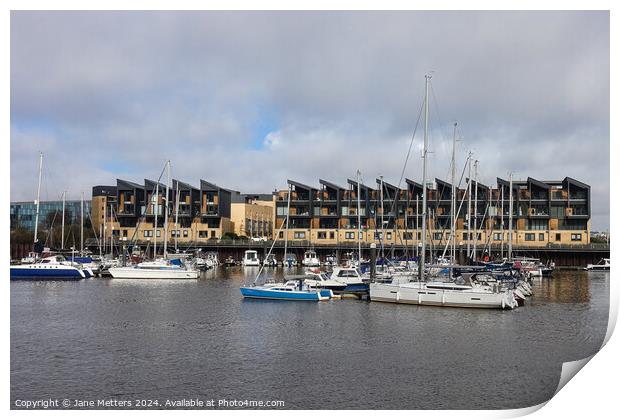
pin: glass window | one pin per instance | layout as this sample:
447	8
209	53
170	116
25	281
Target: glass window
576	237
321	235
299	235
541	236
529	236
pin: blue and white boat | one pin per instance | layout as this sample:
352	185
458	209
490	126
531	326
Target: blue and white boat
51	268
291	290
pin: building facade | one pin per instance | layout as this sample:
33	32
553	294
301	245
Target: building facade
23	213
252	215
544	212
135	212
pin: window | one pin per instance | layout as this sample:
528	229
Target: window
541	236
498	236
536	224
203	233
349	235
331	235
575	237
321	235
158	233
281	235
124	233
529	236
378	235
389	236
437	236
558	236
185	234
465	236
147	233
299	235
213	234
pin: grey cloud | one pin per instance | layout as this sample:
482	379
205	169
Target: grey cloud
530	90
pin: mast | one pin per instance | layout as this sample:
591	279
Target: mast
176	218
510	222
62	235
155	208
453	203
105	225
166	212
82	224
382	222
468	204
359	223
36	216
417	215
475	210
288	211
425	151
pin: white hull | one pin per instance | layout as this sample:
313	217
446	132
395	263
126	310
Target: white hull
251	263
147	273
417	294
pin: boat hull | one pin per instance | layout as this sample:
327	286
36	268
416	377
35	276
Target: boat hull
39	272
145	273
259	293
381	292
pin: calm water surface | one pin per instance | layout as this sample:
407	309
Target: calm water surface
175	339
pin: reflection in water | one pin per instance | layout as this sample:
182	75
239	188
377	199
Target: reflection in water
104	338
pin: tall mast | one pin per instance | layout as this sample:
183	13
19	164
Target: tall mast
105	225
36	216
468	204
288	211
425	151
359	223
417	225
382	225
475	209
176	217
155	208
510	221
82	224
166	212
62	234
453	204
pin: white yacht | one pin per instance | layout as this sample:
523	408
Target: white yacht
250	258
310	259
159	269
438	293
603	265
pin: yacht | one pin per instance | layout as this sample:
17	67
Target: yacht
603	265
54	267
310	259
294	289
250	258
159	269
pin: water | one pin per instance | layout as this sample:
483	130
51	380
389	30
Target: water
179	339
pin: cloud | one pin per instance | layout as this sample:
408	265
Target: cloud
250	99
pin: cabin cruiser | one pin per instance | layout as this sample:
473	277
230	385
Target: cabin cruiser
290	260
310	259
603	265
320	279
352	278
250	258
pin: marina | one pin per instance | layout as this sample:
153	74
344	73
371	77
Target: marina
173	338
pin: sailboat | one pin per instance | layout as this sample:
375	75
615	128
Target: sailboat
161	268
50	268
432	292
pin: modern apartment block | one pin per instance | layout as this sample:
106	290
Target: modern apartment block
544	212
252	215
196	214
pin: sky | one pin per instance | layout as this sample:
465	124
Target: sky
248	100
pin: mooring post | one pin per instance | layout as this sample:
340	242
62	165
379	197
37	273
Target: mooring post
373	261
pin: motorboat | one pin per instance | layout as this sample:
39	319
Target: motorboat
270	261
311	259
352	278
53	267
290	260
250	258
320	279
291	290
603	265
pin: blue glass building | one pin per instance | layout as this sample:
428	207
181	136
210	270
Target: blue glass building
23	213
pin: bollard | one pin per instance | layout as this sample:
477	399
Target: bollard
373	261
